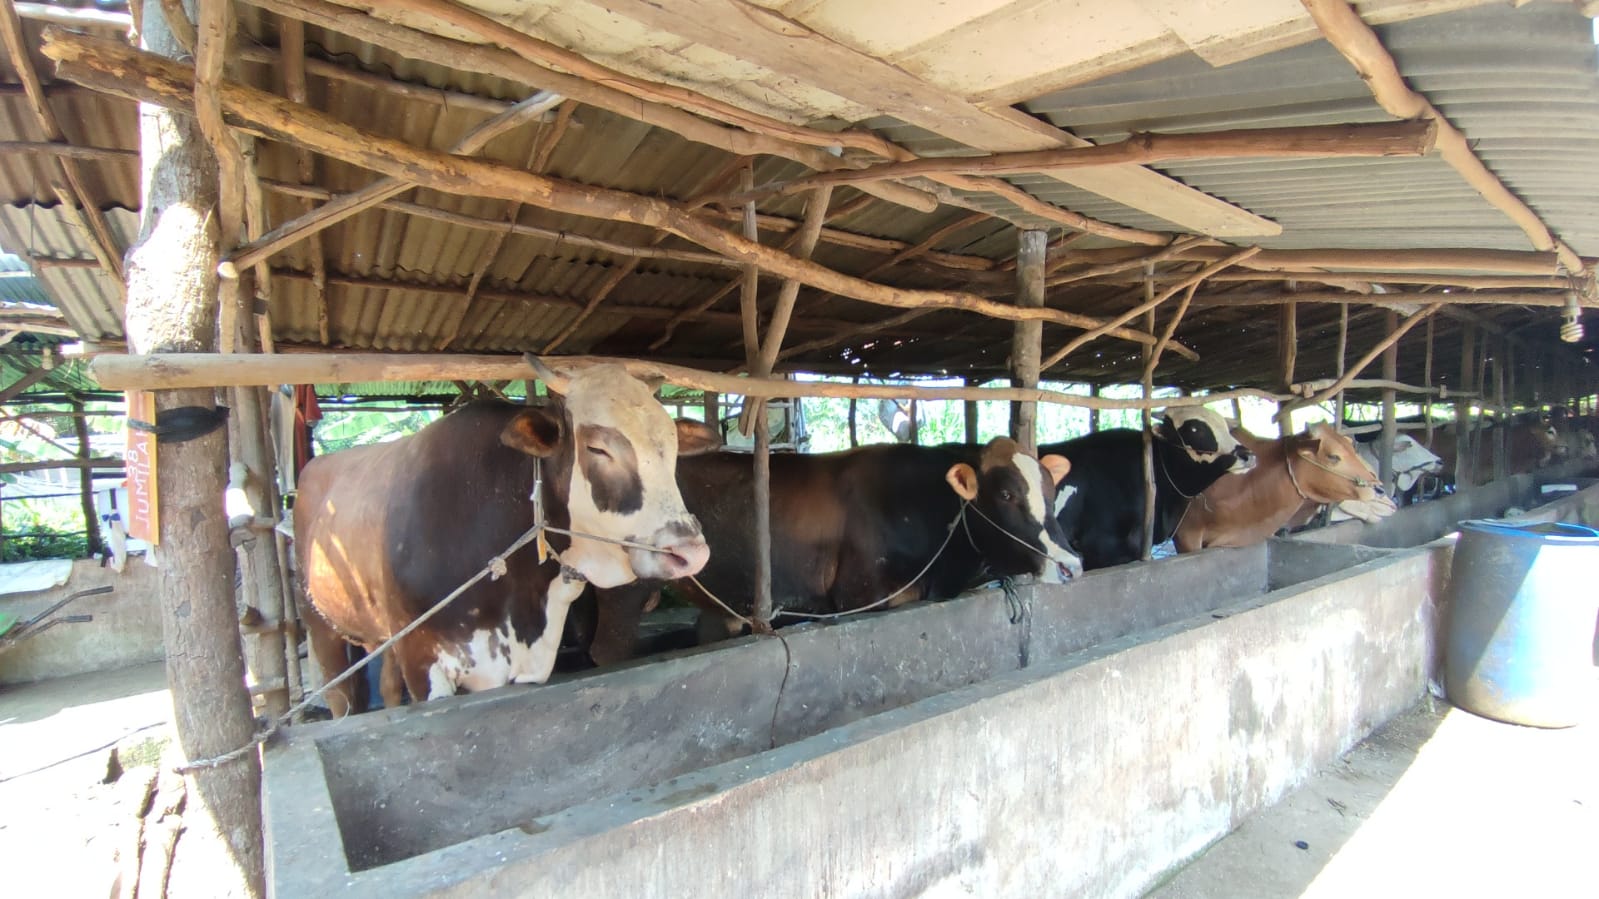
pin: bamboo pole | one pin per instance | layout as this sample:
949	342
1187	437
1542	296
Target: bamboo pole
109	67
1390	372
1027	337
1341	25
1343	380
1287	343
1150	302
177	370
1342	358
1141	148
969	416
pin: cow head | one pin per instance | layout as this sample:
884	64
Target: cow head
1204	435
1411	460
1014	495
610	458
1327	468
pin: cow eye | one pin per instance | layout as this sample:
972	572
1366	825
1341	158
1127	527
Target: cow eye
600	451
1334	458
1006	496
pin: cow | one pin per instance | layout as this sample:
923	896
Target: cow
1529	445
853	527
1319	466
384	532
1101	508
1413	464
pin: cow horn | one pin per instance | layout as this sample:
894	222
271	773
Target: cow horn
556	381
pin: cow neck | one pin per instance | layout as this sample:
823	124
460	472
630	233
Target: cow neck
552	483
1164	448
1261	500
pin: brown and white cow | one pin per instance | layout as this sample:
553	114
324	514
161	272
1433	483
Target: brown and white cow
1529	445
384	532
1319	466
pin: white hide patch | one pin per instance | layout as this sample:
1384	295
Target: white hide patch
494	658
1411	461
1063	495
1225	442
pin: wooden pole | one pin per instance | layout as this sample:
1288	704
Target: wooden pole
1151	300
1027	336
1468	381
91	520
106	66
854	439
970	418
1343	381
176	370
1341	357
1385	443
1314	141
1093	414
171	307
1426	381
1502	419
1398	300
1341	24
1147	542
1287	356
1504	262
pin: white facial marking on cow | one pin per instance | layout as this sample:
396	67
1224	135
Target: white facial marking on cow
1182	416
1033	476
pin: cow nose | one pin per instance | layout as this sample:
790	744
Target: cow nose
685	557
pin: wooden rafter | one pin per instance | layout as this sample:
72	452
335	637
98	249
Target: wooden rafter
1313	142
292	65
1340	23
68	187
492	60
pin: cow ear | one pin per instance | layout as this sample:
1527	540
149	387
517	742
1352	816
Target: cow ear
695	437
1057	466
533	431
963	479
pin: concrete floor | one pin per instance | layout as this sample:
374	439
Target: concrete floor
1438	803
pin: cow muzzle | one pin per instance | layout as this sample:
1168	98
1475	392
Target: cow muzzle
1245	459
680	551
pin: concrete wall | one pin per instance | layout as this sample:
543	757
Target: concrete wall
1087	772
126	629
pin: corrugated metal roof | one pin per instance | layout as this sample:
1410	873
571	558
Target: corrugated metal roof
1520	83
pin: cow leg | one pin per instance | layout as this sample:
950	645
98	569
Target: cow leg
332	654
391	684
558	599
615	632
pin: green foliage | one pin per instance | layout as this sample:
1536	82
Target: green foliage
344	428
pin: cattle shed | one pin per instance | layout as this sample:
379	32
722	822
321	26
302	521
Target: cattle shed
1306	202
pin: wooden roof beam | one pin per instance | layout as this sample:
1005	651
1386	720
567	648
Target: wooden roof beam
746	31
119	70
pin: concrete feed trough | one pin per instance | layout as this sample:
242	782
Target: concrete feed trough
1076	738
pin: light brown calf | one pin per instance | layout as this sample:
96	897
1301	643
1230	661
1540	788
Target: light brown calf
1319	466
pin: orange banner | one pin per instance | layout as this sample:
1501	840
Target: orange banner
144	509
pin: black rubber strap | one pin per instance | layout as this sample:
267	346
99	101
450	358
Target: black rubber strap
183	423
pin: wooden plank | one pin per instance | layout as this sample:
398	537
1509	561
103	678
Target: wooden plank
789	49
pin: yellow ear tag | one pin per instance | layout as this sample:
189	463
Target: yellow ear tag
544	547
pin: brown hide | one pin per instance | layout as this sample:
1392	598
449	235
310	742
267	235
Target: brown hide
1528	446
1243	509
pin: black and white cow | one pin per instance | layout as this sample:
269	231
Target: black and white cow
1100	505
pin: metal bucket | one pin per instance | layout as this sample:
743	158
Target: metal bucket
1524	600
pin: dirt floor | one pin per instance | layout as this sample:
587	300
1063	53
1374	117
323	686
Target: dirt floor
1438	803
83	810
